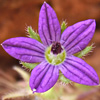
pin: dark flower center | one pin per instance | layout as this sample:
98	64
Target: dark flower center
56	48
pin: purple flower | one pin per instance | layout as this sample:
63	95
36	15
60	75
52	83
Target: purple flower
56	52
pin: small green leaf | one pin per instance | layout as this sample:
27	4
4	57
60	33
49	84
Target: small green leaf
84	52
63	26
82	87
33	34
29	65
64	79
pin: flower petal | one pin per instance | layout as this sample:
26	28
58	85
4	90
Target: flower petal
43	77
49	27
24	49
79	71
76	37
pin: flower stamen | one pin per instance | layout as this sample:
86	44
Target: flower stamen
56	48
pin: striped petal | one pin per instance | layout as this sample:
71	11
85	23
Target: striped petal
49	27
24	49
79	71
76	37
43	77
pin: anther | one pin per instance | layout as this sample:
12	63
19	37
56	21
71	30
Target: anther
56	48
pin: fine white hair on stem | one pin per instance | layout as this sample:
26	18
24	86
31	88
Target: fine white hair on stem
64	20
26	27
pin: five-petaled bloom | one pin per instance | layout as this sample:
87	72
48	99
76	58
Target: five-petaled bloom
56	52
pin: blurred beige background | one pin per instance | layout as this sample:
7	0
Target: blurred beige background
16	15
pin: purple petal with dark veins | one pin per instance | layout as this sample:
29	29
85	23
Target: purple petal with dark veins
79	71
49	27
43	77
25	49
76	37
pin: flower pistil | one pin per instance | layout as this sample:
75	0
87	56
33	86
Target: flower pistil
55	54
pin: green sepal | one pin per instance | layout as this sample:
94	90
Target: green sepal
51	94
63	26
84	52
64	79
29	65
33	34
